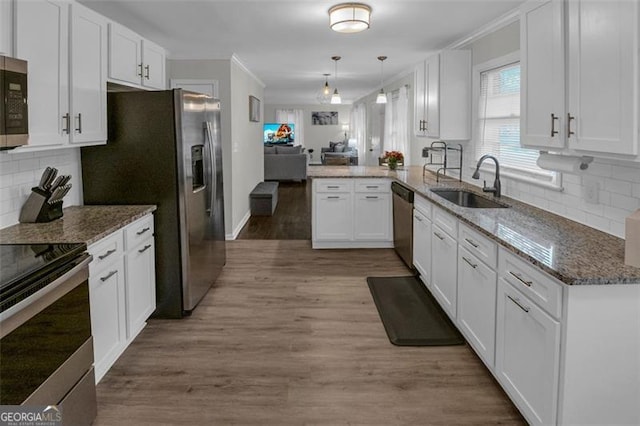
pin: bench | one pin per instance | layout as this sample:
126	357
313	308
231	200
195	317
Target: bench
264	199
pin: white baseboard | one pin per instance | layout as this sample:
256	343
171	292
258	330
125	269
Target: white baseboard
238	228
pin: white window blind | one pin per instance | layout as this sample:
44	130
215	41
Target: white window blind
499	124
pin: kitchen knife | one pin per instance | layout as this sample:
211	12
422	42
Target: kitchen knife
55	195
66	180
52	176
44	178
57	183
65	191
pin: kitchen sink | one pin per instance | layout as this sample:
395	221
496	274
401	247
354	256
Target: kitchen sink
468	199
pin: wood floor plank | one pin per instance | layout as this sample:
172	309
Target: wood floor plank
290	336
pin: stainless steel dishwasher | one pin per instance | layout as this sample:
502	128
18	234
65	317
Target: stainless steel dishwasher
403	222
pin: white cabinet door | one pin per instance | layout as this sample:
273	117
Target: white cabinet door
141	289
89	75
42	39
125	55
603	76
153	57
419	101
477	304
432	96
527	355
542	58
372	217
333	217
444	269
107	297
6	27
422	246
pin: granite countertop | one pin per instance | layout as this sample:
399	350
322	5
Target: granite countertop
79	224
575	254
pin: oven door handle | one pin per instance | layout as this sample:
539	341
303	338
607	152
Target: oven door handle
26	309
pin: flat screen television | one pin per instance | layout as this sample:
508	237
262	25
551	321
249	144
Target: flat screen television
278	133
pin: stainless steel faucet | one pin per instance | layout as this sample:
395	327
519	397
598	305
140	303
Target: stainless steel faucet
496	184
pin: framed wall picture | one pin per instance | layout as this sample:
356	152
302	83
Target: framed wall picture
324	118
254	108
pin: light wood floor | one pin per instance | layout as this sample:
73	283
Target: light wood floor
291	336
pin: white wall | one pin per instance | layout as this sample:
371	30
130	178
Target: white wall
21	172
315	137
246	139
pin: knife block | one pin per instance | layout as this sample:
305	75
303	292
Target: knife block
632	240
38	209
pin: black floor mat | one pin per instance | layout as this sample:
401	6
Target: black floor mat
410	314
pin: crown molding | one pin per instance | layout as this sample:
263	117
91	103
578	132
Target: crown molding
238	62
498	23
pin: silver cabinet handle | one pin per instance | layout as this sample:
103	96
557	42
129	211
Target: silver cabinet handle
333	187
107	254
67	123
438	235
140	68
517	302
471	242
418	218
553	124
474	266
371	197
522	280
79	128
145	248
143	230
333	197
109	275
570	118
372	186
146	74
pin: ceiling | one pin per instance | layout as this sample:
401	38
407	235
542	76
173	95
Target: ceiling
288	45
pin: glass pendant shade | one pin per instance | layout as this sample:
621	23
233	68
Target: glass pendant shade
382	97
335	98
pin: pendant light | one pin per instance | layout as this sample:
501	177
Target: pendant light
324	94
335	98
382	97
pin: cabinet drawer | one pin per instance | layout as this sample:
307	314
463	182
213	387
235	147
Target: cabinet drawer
372	185
445	221
479	245
422	205
105	252
541	288
138	231
328	185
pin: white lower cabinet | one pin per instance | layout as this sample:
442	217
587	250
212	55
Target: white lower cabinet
444	282
351	213
527	355
476	314
121	290
422	245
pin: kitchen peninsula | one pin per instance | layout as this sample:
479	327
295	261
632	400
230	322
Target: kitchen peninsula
558	319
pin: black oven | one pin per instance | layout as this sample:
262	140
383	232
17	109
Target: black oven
46	349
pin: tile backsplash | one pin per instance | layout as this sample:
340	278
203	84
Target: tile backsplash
19	172
618	189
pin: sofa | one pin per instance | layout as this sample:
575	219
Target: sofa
339	150
285	163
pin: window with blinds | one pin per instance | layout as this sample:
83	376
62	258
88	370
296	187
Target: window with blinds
499	125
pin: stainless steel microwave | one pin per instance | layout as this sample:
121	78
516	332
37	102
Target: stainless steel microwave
14	108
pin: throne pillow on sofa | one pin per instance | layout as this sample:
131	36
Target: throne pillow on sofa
289	149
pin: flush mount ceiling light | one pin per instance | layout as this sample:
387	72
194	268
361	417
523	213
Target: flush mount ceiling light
324	95
349	17
382	97
335	98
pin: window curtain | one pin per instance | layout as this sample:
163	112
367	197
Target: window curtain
358	124
396	124
295	117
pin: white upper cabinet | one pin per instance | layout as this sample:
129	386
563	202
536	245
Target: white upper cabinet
603	76
580	76
134	60
6	27
542	74
89	75
65	45
42	39
443	96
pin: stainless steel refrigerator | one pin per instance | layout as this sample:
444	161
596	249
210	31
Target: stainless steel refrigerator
164	148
